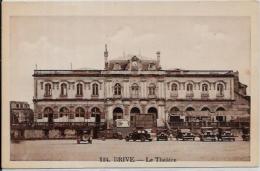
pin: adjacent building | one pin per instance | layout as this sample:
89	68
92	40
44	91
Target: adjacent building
133	85
20	112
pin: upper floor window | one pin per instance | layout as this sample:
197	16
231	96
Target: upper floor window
174	87
63	89
95	89
189	87
47	89
117	89
79	89
204	87
220	89
135	89
80	112
151	89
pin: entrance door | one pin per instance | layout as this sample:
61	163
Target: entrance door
154	112
134	111
50	118
98	118
48	113
95	112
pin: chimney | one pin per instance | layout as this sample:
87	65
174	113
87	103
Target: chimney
158	53
106	57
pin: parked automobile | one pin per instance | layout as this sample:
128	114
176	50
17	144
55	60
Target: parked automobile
141	135
207	134
246	134
225	134
162	135
110	134
185	134
84	135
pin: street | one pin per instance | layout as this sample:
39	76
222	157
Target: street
62	150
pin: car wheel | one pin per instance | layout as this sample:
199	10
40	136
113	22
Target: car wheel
142	138
157	139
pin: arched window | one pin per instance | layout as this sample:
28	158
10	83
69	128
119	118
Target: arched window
220	109
204	87
95	89
205	109
220	89
63	89
190	109
47	89
117	89
189	87
64	111
153	111
135	89
174	110
95	112
47	111
117	113
151	89
80	112
174	87
79	89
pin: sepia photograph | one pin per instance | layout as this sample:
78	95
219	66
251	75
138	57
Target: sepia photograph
129	88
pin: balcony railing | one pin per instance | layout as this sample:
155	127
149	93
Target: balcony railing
220	95
174	94
189	95
204	95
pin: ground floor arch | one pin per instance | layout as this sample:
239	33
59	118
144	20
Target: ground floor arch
96	113
154	112
117	113
133	112
48	113
174	115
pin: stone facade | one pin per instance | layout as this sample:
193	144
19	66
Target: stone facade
20	112
134	85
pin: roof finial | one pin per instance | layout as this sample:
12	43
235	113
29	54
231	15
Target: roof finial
106	56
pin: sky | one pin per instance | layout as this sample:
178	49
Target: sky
194	43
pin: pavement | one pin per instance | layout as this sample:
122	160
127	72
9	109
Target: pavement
69	150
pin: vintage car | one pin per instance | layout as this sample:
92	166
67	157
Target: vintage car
246	134
84	135
141	135
225	134
110	134
185	134
162	135
208	134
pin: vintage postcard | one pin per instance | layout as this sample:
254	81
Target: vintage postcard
130	84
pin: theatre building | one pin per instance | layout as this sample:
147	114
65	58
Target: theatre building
134	85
